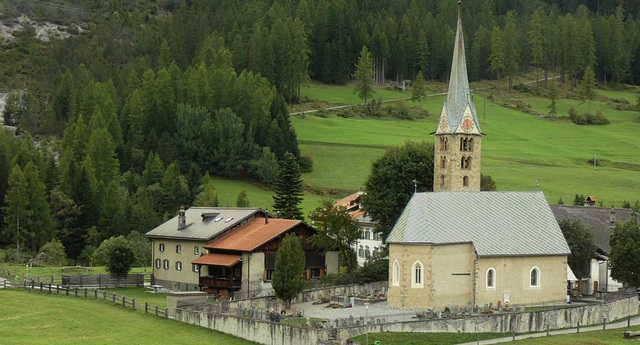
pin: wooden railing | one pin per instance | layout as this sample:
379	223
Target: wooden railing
220	282
89	293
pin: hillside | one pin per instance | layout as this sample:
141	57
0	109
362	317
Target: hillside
521	151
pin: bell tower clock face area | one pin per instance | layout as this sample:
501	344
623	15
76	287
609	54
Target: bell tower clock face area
458	135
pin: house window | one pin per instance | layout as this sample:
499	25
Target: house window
395	274
465	181
166	264
367	234
361	252
367	253
161	247
417	280
158	263
178	266
376	236
268	275
195	268
535	277
196	250
178	249
491	279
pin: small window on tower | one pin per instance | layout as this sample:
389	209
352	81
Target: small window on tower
465	181
443	162
442	180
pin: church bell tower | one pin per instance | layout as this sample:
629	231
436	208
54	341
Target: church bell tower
457	138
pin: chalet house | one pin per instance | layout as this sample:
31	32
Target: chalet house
241	262
180	240
460	246
370	239
227	248
600	221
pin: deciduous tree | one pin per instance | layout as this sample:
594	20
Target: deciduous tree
336	231
625	251
391	184
580	241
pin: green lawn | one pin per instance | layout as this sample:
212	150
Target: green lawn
7	270
343	94
228	190
520	151
141	294
40	318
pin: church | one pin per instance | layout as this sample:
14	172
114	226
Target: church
460	246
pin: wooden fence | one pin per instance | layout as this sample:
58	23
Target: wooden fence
89	293
93	280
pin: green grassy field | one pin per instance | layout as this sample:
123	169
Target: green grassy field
39	318
228	190
141	294
22	272
521	151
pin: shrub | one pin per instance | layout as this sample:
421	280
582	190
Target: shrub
53	253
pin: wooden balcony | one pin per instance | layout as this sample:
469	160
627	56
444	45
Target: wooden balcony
216	282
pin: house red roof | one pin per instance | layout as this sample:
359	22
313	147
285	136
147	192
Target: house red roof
350	202
253	234
218	260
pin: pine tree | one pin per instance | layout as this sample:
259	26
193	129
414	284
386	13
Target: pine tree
363	84
498	52
552	94
588	86
288	276
419	90
288	189
243	200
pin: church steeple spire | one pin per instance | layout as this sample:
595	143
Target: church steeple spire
457	167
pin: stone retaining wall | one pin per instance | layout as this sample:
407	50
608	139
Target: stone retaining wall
536	321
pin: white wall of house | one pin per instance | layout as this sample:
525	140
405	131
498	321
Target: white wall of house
368	242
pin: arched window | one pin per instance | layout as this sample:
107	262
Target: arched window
465	181
535	277
468	163
470	147
395	274
443	161
442	180
491	279
463	162
417	279
158	263
461	144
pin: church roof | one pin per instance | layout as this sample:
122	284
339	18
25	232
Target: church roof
496	223
459	96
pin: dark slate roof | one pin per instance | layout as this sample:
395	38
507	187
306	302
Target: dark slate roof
598	219
459	97
216	221
497	223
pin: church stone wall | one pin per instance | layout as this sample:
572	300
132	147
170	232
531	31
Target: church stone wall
513	279
449	277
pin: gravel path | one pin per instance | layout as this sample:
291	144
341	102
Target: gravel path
376	310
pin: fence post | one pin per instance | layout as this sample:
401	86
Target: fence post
67	290
114	297
578	327
133	303
124	300
604	323
49	287
156	310
146	307
95	293
85	292
40	286
104	294
166	313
